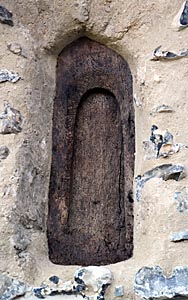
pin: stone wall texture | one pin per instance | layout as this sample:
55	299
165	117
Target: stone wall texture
152	37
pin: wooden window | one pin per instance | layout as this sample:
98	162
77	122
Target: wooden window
90	217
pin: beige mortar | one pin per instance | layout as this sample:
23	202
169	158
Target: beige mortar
133	29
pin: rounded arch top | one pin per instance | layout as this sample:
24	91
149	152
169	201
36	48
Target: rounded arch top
62	38
93	150
87	64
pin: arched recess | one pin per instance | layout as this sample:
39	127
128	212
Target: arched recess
90	219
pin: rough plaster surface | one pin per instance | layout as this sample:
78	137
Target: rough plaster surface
134	29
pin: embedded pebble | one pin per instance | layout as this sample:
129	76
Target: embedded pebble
15	48
4	152
179	236
10	120
151	283
162	109
6	75
119	291
94	277
165	172
161	144
5	16
159	54
181	198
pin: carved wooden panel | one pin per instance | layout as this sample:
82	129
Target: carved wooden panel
90	196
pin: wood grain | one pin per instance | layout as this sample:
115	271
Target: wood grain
90	196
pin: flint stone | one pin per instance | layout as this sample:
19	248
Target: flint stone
11	288
159	54
150	152
184	15
181	19
10	120
162	109
169	149
165	172
119	291
94	277
179	236
175	172
54	279
137	100
5	16
15	48
6	75
163	144
4	152
182	200
45	290
150	283
20	239
74	289
55	288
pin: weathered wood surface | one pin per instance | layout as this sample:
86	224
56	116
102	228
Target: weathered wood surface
90	197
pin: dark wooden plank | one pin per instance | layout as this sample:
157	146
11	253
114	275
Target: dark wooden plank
90	198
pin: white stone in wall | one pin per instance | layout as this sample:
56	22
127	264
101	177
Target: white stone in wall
94	277
6	75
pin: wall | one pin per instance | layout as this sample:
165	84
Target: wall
134	29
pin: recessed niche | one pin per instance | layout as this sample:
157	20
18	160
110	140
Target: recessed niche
90	219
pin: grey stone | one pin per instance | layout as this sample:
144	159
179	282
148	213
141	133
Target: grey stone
156	138
119	291
163	144
4	152
167	138
181	19
137	100
54	279
97	278
5	282
175	172
151	283
15	48
149	148
6	75
10	120
55	288
179	236
184	15
21	239
140	182
162	109
51	288
168	149
93	276
159	54
181	198
11	288
5	16
30	205
165	172
82	10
